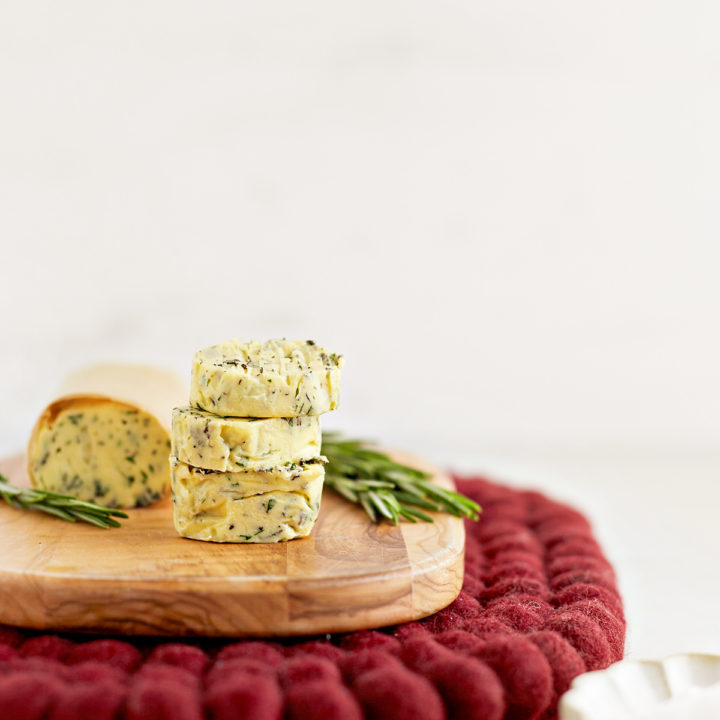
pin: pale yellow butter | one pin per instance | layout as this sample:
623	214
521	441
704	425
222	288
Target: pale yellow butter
278	378
213	442
106	438
100	450
250	506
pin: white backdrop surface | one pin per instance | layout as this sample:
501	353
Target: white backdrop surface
503	213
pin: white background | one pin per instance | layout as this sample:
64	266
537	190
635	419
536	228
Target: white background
504	213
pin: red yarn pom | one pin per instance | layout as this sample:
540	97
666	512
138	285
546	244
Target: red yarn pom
598	578
580	592
584	546
562	516
473	585
421	652
364	661
517	586
570	563
94	673
398	694
309	668
260	652
496	528
455	615
474	555
524	672
319	700
7	652
27	696
521	613
612	627
162	700
508	508
318	649
10	636
99	701
409	631
226	669
113	652
443	621
525	543
585	635
553	536
501	569
470	689
39	666
371	639
461	640
244	696
564	660
484	627
47	646
190	658
168	674
465	606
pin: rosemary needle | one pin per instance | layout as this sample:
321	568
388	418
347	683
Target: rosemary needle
65	507
387	489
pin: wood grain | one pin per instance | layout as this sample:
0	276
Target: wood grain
144	579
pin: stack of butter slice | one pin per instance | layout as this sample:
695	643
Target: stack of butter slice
246	463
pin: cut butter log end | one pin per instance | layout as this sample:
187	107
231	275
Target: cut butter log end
277	378
106	440
250	506
225	444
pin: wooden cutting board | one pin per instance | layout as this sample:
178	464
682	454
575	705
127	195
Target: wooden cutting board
144	579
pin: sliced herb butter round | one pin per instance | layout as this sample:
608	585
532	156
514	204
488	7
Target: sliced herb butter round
278	378
214	442
100	450
293	477
250	506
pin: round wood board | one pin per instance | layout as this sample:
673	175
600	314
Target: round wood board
144	579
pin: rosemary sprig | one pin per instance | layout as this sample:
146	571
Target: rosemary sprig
65	507
385	488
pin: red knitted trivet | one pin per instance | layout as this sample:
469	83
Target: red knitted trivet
538	607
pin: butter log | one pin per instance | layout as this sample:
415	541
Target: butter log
249	506
277	378
228	444
106	439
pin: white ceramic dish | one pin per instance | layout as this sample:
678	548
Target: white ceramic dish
680	687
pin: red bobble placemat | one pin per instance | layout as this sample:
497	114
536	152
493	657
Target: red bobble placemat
539	606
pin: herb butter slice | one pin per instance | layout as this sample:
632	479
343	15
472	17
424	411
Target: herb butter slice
291	477
277	378
228	444
106	438
246	507
100	450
